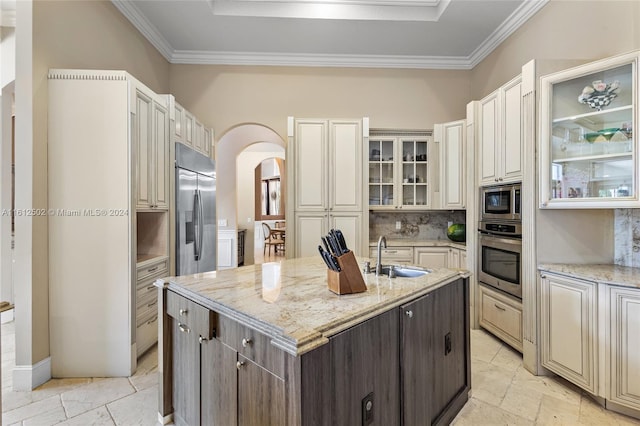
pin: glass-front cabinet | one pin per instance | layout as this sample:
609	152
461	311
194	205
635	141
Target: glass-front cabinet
588	147
398	173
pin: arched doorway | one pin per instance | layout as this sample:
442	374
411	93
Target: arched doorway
234	166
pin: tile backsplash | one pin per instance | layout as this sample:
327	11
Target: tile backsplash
627	237
414	226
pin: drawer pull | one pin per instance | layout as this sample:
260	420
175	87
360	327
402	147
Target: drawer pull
183	312
202	339
391	251
409	314
151	304
152	320
155	268
183	328
239	364
246	342
150	287
499	307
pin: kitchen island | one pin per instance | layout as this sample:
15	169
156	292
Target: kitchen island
270	344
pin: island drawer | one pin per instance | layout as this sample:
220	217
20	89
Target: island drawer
395	254
251	344
191	317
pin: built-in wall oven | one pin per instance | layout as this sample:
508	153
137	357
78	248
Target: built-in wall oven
500	250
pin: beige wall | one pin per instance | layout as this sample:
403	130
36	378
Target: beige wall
66	34
564	30
225	96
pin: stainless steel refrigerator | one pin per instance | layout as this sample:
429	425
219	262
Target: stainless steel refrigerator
196	233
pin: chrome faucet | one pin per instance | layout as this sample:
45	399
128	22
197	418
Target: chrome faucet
381	240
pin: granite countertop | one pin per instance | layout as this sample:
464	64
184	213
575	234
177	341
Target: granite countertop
420	243
289	301
623	276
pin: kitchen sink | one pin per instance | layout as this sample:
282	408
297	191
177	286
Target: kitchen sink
405	271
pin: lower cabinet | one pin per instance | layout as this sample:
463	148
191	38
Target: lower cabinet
590	335
432	358
432	257
568	327
501	315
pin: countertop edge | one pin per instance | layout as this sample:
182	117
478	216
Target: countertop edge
289	345
622	276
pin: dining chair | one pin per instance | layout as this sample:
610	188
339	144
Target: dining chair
271	239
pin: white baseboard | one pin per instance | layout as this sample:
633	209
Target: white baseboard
29	377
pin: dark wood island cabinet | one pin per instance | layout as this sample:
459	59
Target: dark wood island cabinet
237	350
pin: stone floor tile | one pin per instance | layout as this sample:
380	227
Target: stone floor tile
141	408
555	411
593	414
484	346
489	383
507	358
522	400
98	392
479	413
51	404
97	417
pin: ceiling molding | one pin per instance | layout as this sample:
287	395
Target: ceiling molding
508	27
146	28
355	10
319	60
150	32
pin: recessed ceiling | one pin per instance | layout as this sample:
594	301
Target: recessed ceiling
436	34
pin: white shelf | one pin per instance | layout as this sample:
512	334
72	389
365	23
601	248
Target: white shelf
595	119
602	157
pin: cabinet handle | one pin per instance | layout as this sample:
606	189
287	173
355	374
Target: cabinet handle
246	342
151	321
499	307
183	328
151	304
409	314
390	251
239	364
183	312
202	339
500	179
150	287
152	269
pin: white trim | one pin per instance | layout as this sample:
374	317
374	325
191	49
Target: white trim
508	27
8	18
148	30
29	377
151	33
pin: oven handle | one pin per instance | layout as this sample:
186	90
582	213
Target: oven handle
497	235
499	238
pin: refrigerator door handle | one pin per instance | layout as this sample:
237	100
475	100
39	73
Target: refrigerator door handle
197	225
200	224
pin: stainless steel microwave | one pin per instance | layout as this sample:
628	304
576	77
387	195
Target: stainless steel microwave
501	202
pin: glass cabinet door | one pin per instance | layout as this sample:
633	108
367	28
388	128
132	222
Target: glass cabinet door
414	173
588	146
381	172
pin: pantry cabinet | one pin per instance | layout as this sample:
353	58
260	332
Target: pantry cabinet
500	135
588	148
327	189
110	236
400	171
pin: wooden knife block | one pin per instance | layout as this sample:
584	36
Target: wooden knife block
349	279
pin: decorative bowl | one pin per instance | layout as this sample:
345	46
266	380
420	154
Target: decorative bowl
591	136
607	133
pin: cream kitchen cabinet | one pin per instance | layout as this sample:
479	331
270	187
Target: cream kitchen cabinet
624	322
151	142
400	171
432	257
500	145
588	147
189	131
327	191
449	140
147	302
501	315
100	242
568	327
393	255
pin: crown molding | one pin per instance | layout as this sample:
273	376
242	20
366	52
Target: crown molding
510	25
148	30
519	16
320	60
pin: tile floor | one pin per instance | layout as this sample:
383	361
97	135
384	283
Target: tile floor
503	393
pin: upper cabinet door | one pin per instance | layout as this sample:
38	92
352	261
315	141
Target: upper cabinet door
511	155
311	189
489	139
345	165
588	148
452	164
143	141
161	156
